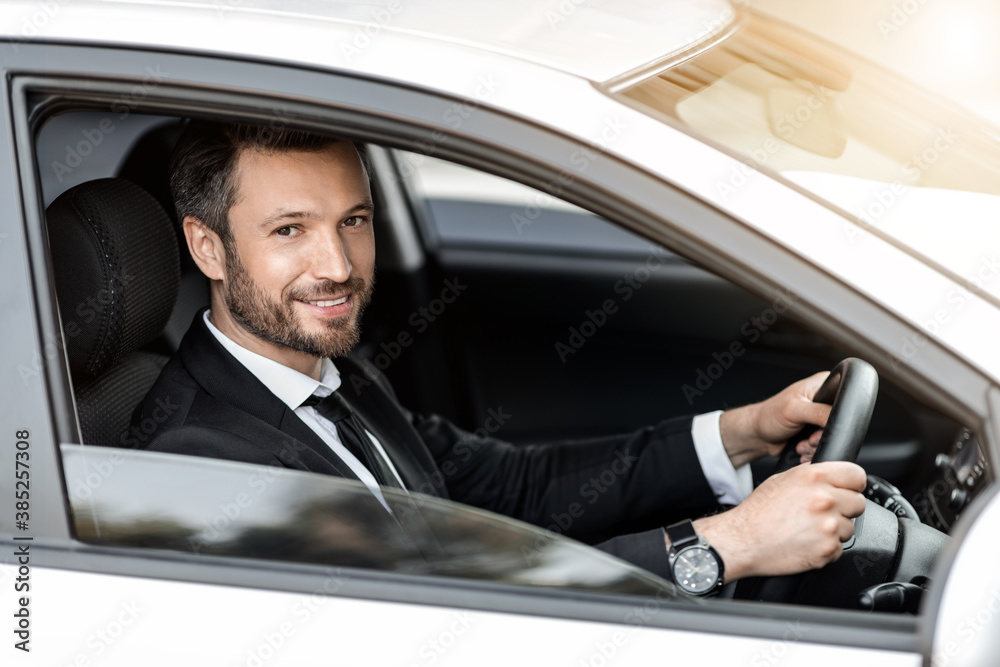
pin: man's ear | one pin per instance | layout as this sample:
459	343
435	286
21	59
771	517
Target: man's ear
206	248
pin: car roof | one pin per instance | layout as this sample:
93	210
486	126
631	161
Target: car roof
594	39
471	50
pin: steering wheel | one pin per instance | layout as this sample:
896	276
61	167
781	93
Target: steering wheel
851	389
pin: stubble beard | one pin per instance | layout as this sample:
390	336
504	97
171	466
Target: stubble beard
278	323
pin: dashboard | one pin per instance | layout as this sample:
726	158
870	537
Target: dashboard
961	474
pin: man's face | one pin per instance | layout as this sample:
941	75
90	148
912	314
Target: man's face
302	268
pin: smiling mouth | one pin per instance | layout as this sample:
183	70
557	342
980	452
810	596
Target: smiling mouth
329	302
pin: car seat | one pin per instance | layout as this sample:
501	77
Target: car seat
116	269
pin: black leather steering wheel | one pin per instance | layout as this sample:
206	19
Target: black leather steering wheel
851	389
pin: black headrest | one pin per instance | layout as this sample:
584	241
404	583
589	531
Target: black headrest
116	268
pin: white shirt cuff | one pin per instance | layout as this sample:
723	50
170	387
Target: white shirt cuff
731	485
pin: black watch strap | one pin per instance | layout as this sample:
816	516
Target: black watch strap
682	538
681	533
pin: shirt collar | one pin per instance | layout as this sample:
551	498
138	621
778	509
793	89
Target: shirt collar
290	386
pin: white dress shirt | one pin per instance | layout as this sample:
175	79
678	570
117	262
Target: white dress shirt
291	387
731	485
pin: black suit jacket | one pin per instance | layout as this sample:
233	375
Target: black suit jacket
206	403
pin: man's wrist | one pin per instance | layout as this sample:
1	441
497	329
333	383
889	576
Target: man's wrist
719	533
739	435
695	566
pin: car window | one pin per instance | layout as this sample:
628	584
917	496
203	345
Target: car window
77	147
469	207
209	507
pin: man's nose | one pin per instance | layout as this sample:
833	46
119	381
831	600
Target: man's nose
330	258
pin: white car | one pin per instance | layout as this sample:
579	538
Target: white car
591	216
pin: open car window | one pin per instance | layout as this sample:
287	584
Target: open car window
471	208
209	507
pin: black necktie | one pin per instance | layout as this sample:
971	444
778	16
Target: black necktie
353	437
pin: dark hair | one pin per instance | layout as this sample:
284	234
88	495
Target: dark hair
203	165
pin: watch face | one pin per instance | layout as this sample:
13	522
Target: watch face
696	570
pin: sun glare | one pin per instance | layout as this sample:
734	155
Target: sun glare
960	49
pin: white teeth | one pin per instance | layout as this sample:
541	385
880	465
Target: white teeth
327	304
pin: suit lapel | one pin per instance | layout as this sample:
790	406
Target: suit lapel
223	377
386	419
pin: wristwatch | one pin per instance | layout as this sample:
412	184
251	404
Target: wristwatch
694	565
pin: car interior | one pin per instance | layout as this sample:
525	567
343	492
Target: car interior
557	323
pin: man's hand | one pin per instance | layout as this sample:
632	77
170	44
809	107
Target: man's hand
762	429
793	522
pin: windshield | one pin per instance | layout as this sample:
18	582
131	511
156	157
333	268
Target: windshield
208	507
864	140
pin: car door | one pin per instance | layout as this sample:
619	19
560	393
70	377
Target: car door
237	605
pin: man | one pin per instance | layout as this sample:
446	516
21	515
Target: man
281	224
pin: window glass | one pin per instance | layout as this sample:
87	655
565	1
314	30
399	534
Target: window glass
468	207
210	507
77	147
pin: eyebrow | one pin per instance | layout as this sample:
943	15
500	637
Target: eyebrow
294	214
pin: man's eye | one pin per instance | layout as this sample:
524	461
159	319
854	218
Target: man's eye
286	231
355	221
